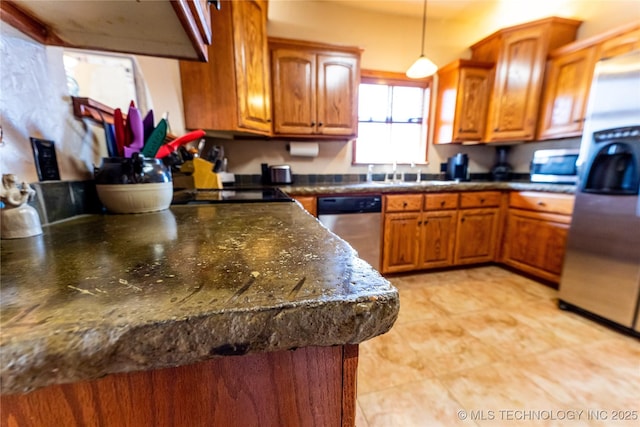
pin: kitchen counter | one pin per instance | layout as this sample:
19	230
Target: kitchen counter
102	294
426	187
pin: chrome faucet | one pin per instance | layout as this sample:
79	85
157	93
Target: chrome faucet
370	173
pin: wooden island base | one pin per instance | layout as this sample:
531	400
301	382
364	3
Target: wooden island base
311	386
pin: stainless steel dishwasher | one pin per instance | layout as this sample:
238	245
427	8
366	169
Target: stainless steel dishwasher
357	220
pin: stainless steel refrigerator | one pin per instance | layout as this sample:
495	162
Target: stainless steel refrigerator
601	273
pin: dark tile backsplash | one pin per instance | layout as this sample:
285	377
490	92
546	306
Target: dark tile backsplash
59	200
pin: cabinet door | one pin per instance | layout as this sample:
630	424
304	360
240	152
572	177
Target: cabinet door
471	110
252	64
338	80
565	98
294	91
476	235
437	238
514	104
620	44
202	17
400	250
309	203
536	243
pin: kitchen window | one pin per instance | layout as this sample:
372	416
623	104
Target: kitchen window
393	117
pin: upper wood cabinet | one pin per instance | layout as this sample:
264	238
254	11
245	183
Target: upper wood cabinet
519	74
315	89
231	93
568	82
461	101
564	102
623	41
174	29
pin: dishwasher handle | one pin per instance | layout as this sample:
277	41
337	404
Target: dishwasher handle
349	205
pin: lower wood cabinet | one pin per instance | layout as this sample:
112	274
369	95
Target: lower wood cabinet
400	242
478	227
526	230
437	238
309	203
536	233
309	386
476	235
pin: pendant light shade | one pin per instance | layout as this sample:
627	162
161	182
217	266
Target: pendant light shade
423	67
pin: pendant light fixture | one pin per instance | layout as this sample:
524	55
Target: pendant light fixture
423	67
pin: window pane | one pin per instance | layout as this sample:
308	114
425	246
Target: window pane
408	144
373	103
407	104
392	125
373	144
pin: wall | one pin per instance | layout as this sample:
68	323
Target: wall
34	100
34	103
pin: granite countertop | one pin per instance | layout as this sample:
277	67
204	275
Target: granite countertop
100	294
426	187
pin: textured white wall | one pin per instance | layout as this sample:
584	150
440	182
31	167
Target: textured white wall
34	102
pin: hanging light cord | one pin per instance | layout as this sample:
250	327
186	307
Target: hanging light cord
424	25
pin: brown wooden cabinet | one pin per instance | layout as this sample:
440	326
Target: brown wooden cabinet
179	29
315	89
438	230
402	219
519	74
231	93
461	101
477	229
564	103
309	386
626	40
536	233
309	203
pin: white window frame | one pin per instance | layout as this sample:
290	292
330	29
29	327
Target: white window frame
400	79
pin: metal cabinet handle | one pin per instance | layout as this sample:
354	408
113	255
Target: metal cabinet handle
313	123
442	203
404	204
541	203
214	3
320	124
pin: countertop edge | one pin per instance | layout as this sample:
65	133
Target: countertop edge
191	340
424	187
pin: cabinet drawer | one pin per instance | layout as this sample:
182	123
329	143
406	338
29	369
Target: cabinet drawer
403	203
442	201
542	202
480	199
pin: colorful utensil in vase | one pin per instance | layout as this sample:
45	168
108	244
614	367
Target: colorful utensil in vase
148	125
118	124
136	129
169	148
155	140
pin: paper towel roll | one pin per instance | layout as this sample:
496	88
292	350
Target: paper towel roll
304	149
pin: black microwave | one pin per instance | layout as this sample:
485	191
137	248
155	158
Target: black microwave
557	166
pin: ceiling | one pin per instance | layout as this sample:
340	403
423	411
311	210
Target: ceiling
436	9
491	14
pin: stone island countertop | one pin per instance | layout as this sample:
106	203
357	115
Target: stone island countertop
101	294
425	187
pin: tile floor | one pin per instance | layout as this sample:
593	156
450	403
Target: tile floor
487	347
